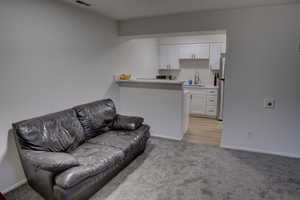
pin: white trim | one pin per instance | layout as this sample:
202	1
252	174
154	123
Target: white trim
165	137
14	186
260	151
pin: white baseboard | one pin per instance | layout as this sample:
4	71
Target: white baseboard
260	151
14	186
165	137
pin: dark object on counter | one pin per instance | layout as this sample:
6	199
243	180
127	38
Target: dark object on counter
161	77
165	77
71	154
216	78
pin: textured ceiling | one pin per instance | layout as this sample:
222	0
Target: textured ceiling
126	9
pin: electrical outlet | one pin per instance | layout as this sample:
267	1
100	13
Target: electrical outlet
269	103
250	134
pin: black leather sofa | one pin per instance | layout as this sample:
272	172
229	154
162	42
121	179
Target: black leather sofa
71	154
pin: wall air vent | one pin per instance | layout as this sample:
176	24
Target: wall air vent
83	3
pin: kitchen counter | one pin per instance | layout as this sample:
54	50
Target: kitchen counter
160	102
152	83
200	86
158	81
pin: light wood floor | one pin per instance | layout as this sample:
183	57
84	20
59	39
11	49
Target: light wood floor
204	131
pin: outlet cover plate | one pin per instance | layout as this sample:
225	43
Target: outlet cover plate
269	103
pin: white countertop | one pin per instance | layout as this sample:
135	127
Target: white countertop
151	81
167	82
200	86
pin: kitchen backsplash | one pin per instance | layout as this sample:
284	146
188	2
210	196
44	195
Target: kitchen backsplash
188	69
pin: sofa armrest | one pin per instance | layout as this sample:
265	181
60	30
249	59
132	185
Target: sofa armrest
130	123
50	161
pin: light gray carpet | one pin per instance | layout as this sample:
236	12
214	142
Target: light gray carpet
171	170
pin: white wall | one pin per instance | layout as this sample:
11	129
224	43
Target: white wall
54	56
139	57
262	61
149	101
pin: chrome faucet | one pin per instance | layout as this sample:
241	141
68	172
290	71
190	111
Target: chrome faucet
197	78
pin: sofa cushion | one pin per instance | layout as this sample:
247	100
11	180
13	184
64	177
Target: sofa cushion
93	160
127	141
57	132
50	161
130	123
96	117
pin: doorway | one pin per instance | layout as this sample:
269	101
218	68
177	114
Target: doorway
196	59
204	131
204	93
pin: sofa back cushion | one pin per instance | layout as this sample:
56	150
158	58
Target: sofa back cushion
96	117
57	132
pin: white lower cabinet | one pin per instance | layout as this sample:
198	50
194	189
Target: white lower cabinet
203	102
198	103
211	110
211	100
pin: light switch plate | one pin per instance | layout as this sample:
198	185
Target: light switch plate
269	103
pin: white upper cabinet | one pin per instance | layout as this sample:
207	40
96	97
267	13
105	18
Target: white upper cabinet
174	57
216	49
169	57
163	56
202	51
223	48
194	51
187	51
171	54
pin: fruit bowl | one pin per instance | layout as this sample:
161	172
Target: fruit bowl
125	76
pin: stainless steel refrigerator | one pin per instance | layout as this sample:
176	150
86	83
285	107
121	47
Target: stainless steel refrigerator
221	85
